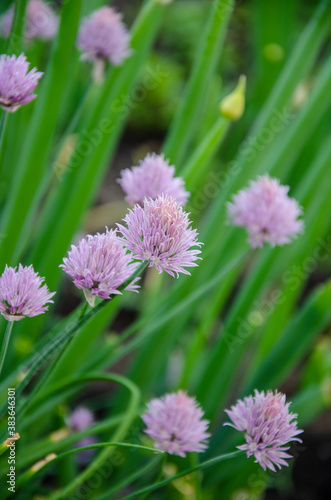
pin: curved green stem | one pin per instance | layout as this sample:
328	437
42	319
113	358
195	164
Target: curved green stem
61	341
131	478
53	444
33	472
130	415
5	342
203	465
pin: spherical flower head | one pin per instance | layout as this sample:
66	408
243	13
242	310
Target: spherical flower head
16	83
41	21
22	293
103	35
160	232
268	427
175	423
80	420
154	176
99	265
267	212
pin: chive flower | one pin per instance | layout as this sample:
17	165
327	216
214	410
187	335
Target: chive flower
22	293
175	423
268	427
154	176
41	21
82	419
16	83
160	232
103	35
267	212
99	265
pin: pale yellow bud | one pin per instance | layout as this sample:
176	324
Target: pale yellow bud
232	106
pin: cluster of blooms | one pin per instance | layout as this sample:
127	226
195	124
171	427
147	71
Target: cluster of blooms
41	21
175	424
80	420
154	176
268	427
267	212
103	35
16	83
22	293
160	232
99	265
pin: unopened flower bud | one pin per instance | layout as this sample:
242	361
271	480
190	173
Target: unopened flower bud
233	105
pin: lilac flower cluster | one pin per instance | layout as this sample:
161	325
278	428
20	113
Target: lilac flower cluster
267	212
160	232
268	426
41	21
16	83
154	176
22	293
175	423
103	35
99	265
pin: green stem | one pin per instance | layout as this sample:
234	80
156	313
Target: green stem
195	167
203	70
32	473
203	465
16	37
5	342
64	342
160	474
52	444
130	415
3	123
158	320
130	479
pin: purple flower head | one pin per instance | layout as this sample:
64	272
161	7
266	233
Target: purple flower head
41	21
268	426
160	233
16	83
175	423
267	212
103	35
22	293
152	177
80	420
99	265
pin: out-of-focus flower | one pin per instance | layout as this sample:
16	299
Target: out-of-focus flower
16	83
267	212
41	21
103	35
22	293
99	265
80	420
160	232
268	426
175	423
154	176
